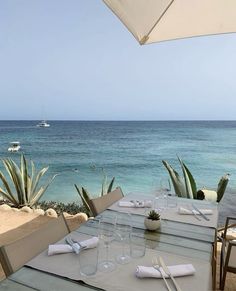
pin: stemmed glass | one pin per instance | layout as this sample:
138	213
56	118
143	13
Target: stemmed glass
160	202
123	231
156	193
106	235
165	188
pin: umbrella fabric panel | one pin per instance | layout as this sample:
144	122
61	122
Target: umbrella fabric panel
158	20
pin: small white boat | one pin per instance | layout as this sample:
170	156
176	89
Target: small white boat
43	123
14	146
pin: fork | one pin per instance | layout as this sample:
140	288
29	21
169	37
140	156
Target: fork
155	264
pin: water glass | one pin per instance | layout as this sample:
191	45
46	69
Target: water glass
171	200
137	245
88	261
123	231
106	232
160	203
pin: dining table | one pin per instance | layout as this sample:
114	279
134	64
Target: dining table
181	239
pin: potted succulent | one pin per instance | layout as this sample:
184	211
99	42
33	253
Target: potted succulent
153	220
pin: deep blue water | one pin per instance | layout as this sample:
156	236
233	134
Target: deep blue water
131	151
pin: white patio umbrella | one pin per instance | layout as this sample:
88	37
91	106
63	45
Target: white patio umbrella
159	20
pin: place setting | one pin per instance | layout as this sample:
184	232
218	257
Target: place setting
117	257
130	204
172	207
192	212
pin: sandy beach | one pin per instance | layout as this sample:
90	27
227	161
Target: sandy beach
15	225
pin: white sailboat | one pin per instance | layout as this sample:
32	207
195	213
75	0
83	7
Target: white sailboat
43	123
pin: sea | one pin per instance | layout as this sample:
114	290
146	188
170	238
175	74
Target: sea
83	152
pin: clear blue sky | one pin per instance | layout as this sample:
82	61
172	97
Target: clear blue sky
73	59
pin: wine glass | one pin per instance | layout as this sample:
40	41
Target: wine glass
156	192
165	188
106	235
161	193
123	231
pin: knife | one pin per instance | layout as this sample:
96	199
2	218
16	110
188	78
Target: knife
200	212
167	271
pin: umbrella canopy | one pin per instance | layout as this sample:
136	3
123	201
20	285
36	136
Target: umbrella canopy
158	20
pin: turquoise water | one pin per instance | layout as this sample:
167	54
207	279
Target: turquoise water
130	151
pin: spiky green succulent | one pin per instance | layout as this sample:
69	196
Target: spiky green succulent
22	187
186	186
85	196
153	215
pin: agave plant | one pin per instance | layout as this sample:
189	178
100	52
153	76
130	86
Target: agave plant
23	188
186	186
85	196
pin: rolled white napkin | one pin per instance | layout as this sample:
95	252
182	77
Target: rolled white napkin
59	249
176	271
136	204
183	210
65	248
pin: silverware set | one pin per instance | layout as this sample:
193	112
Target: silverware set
156	265
193	212
200	212
159	263
76	246
194	209
136	202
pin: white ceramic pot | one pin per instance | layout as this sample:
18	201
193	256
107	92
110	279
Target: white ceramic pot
152	224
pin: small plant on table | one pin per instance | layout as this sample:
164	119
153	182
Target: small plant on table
153	220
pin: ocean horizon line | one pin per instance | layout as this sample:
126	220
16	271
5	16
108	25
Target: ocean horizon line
127	120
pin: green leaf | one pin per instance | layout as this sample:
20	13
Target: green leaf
37	195
104	183
222	186
86	196
191	189
15	175
110	185
24	176
8	189
8	196
85	199
37	179
176	180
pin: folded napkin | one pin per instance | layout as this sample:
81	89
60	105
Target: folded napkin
65	248
176	271
136	203
183	210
